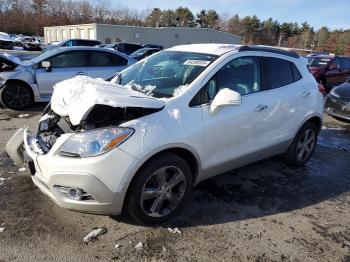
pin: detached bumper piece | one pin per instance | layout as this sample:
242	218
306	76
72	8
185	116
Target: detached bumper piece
337	107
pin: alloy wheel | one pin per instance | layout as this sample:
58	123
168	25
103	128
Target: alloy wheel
163	191
16	97
306	145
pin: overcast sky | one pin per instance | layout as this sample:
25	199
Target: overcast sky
334	14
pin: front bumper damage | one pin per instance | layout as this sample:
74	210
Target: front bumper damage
55	175
337	107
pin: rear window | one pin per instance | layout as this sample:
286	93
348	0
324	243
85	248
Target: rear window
280	72
318	61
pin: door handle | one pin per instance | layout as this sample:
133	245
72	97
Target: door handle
80	74
260	108
305	93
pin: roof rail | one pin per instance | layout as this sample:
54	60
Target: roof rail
268	49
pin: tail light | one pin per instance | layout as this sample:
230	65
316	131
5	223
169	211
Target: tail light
321	89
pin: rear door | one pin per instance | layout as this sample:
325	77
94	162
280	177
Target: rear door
104	64
64	65
286	98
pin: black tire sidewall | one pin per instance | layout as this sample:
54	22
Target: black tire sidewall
133	205
12	85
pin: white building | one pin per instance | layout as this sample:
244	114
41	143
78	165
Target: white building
166	36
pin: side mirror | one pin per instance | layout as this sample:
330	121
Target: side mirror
225	97
46	65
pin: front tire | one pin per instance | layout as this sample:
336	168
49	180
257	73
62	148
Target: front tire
303	145
159	190
16	96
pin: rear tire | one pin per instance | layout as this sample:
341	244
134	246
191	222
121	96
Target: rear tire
16	96
160	190
303	145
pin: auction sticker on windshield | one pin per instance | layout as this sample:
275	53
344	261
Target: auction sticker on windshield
197	62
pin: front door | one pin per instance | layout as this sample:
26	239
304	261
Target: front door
63	66
233	132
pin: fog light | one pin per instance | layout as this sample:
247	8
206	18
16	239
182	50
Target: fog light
75	193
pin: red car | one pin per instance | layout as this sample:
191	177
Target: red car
329	70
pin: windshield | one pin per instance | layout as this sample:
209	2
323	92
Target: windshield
43	56
166	73
318	61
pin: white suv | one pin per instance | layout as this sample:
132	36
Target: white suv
142	141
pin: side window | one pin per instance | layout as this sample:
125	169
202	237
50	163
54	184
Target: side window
335	63
296	74
69	43
279	72
69	59
345	63
106	59
241	75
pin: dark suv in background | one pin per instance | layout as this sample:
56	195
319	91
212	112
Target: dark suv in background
329	70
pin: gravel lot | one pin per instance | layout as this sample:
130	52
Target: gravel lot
262	212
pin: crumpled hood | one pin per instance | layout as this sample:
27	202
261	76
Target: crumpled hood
13	59
75	97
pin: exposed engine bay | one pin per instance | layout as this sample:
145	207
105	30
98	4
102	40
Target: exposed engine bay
52	126
82	103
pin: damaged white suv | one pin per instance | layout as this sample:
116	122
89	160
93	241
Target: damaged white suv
142	141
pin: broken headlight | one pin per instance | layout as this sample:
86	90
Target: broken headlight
95	142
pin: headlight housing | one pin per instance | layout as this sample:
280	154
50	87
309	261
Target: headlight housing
95	142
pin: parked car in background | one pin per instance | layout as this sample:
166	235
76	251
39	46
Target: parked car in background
73	42
144	52
5	41
154	46
329	70
30	43
101	45
142	141
33	81
337	103
125	48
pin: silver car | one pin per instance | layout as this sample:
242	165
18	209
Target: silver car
33	80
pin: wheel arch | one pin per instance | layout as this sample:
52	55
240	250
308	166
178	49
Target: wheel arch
181	151
13	81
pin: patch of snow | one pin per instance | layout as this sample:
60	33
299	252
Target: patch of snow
45	117
148	90
22	169
139	246
174	231
94	234
179	90
117	246
2	229
23	116
75	97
